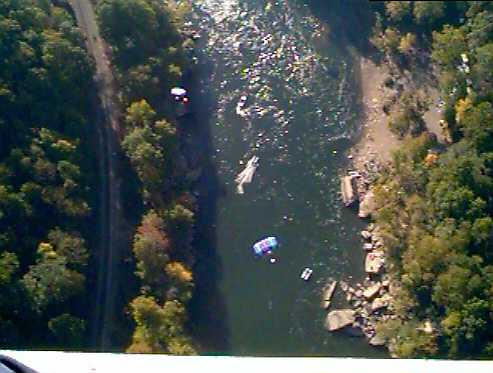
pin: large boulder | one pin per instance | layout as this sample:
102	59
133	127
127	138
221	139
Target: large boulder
380	303
367	205
347	191
339	319
372	290
377	340
374	262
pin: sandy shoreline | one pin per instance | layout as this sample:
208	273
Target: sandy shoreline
376	141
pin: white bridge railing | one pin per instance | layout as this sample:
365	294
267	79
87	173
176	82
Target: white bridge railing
70	362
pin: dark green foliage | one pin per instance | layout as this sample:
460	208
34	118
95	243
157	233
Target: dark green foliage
151	249
67	330
150	147
159	328
428	12
45	85
437	216
403	27
50	281
147	48
135	28
8	266
150	60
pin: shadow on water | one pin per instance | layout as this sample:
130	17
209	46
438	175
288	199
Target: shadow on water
207	308
350	21
350	27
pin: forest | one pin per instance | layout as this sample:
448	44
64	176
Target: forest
438	200
149	56
47	178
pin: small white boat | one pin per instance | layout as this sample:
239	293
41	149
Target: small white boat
306	274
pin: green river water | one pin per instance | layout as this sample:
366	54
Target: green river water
300	119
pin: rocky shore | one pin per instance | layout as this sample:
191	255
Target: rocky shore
369	301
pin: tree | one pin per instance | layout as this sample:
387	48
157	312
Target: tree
159	329
398	10
448	45
180	278
466	328
409	118
9	264
482	71
391	40
407	44
68	330
477	126
136	28
45	168
480	29
50	281
179	222
69	245
461	107
428	12
139	114
151	249
451	287
407	340
150	152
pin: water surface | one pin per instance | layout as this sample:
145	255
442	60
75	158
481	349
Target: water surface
299	119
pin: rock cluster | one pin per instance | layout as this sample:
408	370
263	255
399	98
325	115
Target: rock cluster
356	186
370	300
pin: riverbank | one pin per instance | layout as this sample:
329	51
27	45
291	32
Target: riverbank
376	139
381	88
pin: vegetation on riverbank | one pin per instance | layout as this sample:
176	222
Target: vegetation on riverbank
47	177
437	203
149	58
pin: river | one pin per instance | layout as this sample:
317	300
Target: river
300	119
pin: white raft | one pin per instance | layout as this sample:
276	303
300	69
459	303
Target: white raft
246	175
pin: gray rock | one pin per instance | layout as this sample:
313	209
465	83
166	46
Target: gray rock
374	262
368	205
377	340
347	191
344	286
339	319
366	235
371	291
380	303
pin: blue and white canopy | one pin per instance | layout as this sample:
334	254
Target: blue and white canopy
265	246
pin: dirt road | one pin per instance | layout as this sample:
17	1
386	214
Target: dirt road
110	199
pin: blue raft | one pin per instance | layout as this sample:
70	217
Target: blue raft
265	246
